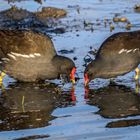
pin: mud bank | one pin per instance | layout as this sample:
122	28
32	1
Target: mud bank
21	18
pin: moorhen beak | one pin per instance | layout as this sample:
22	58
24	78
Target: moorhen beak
72	75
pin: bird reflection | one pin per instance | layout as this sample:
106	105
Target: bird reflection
73	97
31	104
115	101
86	92
137	88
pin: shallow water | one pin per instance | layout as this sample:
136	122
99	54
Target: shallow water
64	112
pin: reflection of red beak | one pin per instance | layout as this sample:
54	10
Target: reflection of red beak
73	97
86	79
86	92
72	75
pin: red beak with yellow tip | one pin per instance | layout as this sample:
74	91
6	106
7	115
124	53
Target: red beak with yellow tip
86	79
72	75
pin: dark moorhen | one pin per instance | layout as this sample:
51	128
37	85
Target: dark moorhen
29	57
118	55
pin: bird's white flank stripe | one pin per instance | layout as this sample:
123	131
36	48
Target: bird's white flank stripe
25	55
12	56
20	55
128	51
31	55
37	54
5	59
121	51
137	49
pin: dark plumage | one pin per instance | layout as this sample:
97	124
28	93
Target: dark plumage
29	56
118	55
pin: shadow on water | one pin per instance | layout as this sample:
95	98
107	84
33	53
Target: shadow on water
116	102
25	106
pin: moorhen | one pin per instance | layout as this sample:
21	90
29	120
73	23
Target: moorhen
118	55
29	56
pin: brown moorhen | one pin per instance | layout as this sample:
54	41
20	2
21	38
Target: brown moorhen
30	56
118	55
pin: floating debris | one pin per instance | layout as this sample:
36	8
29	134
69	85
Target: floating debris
78	10
121	19
128	26
93	52
73	6
75	58
105	22
87	59
116	19
66	51
112	27
87	23
137	8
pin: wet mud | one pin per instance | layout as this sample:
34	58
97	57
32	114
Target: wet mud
12	1
20	18
123	123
